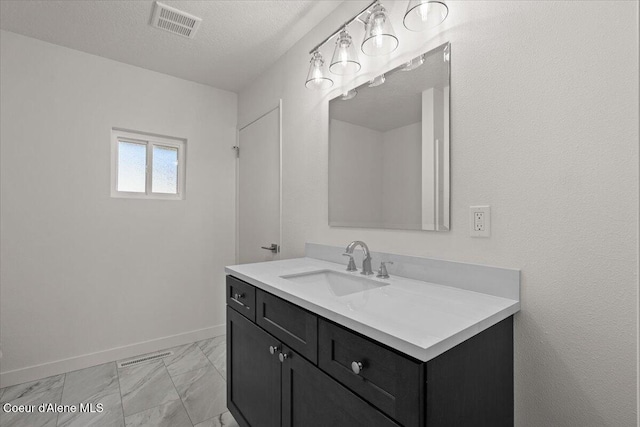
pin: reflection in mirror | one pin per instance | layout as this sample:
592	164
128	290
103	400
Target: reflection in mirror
389	149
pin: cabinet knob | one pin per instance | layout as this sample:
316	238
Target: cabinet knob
356	367
238	296
283	357
273	349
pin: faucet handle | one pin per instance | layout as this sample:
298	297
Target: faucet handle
352	264
382	271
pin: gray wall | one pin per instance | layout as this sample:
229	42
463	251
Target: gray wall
544	102
87	278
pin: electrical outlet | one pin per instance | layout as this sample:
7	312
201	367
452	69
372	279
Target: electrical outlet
480	221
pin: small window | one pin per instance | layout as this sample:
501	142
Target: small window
146	166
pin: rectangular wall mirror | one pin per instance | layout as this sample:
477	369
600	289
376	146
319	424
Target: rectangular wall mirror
389	148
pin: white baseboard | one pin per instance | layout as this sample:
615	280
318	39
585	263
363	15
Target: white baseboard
48	369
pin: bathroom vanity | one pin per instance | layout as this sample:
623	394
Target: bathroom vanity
310	344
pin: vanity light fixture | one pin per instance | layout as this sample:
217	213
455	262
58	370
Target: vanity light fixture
345	56
379	39
424	14
317	77
349	95
413	64
377	81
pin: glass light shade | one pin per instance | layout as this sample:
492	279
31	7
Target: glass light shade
349	95
345	58
317	77
379	37
413	64
424	14
377	81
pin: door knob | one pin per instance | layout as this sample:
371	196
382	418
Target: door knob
273	248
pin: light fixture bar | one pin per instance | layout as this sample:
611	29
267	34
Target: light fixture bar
341	27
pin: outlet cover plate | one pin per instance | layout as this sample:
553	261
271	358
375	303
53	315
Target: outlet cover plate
480	221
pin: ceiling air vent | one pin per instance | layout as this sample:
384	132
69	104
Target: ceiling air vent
175	21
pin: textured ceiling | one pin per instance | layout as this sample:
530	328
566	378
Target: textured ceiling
397	102
235	42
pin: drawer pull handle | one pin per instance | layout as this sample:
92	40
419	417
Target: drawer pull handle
283	357
356	367
237	301
273	349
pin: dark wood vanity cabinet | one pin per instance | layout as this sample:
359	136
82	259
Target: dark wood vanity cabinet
289	367
270	385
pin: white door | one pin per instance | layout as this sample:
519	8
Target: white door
259	189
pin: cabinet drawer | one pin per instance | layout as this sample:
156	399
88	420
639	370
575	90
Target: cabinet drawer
388	380
293	325
241	297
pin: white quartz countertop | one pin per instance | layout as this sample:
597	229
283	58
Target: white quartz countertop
420	319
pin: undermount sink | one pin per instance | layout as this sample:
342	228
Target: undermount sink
340	284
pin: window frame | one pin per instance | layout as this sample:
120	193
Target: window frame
149	141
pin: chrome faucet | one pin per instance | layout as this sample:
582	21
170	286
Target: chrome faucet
366	261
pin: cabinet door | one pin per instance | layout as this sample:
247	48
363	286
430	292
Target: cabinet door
254	374
310	398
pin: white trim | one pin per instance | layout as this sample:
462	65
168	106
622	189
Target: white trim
278	255
57	367
149	140
237	195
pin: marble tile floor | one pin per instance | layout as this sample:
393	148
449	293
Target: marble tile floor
185	389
